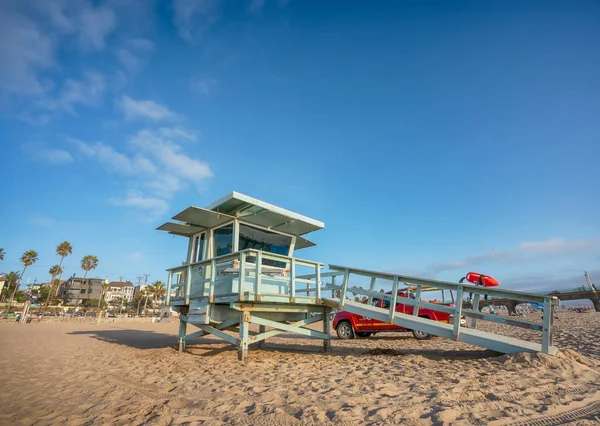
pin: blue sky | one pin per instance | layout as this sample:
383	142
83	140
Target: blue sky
432	138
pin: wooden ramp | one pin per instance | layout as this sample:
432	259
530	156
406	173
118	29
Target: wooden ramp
474	337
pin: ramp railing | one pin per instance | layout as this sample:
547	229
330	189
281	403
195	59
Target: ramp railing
338	280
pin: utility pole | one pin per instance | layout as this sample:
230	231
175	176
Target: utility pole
139	295
589	281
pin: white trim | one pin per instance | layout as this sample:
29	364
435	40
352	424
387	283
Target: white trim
266	206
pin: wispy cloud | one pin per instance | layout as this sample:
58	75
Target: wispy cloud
86	92
157	168
526	251
193	18
139	201
171	156
147	109
25	51
48	156
203	85
42	221
256	6
113	160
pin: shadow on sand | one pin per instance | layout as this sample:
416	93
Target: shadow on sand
140	339
205	346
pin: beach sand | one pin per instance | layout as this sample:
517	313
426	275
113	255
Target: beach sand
126	373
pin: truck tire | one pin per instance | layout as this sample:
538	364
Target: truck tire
344	330
419	335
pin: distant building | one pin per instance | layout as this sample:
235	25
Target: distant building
119	289
78	290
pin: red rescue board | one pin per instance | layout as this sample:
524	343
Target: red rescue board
480	279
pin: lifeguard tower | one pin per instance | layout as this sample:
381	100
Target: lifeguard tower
241	269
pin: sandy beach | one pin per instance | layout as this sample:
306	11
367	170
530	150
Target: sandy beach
128	373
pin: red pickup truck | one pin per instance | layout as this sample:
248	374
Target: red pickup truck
350	326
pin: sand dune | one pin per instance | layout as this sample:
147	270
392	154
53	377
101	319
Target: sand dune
129	373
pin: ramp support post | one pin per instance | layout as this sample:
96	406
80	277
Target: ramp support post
261	330
327	329
547	326
244	336
344	288
182	331
458	312
394	299
476	309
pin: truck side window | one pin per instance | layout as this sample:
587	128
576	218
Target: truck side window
386	304
374	302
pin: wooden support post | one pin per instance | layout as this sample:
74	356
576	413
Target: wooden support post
394	299
258	274
188	285
244	326
242	276
213	275
476	309
182	331
318	282
547	325
293	281
261	330
417	301
169	284
344	288
458	312
372	288
333	287
327	329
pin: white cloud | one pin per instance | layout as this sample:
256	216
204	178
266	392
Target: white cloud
131	62
139	201
55	157
42	221
524	252
86	92
177	133
88	24
255	6
170	155
193	18
557	246
136	256
144	109
141	44
203	85
159	166
113	160
25	51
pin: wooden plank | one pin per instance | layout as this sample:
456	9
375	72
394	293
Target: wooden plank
393	301
258	274
418	301
267	334
547	324
458	311
344	290
318	281
287	327
218	333
476	310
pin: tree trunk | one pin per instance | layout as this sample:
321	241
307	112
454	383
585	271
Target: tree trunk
60	276
145	303
138	308
18	284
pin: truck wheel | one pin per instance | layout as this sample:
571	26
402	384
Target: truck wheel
363	333
344	330
419	335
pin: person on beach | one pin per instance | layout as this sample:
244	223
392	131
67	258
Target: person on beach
19	317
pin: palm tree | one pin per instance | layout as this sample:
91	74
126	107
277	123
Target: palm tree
28	258
2	252
102	291
158	291
63	250
54	272
11	280
88	263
